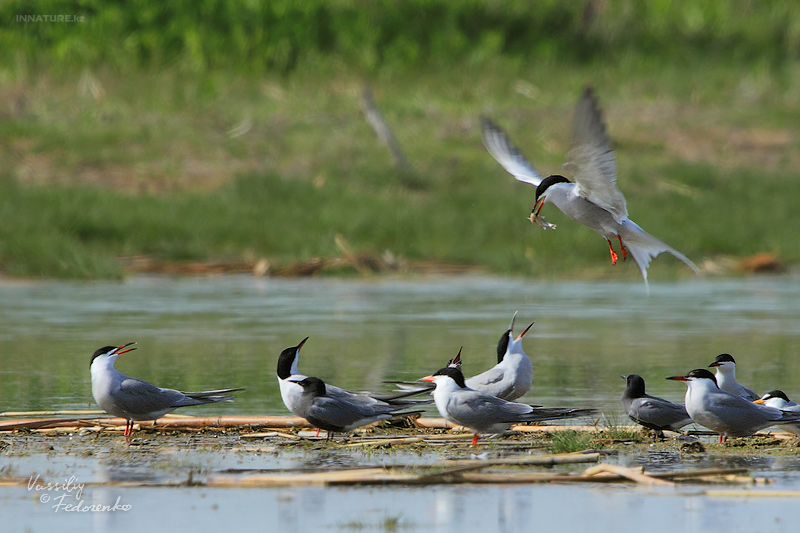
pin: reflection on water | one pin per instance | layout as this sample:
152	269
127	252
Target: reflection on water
228	331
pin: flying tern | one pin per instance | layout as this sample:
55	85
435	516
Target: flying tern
723	412
652	412
592	197
726	377
135	399
484	413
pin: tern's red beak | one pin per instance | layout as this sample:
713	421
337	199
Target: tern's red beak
429	379
538	205
121	350
678	378
524	332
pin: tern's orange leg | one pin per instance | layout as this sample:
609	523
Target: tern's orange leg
624	250
475	439
614	255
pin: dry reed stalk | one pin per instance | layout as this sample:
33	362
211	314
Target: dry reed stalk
634	474
296	480
262	435
171	422
68	412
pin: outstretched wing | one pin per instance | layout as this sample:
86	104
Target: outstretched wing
590	160
510	158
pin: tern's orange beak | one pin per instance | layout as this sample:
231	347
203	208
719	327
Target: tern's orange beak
678	378
539	205
429	379
759	401
524	332
120	350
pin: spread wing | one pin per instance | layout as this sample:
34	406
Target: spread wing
510	158
140	397
590	160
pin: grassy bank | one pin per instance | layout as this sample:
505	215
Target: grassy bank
222	163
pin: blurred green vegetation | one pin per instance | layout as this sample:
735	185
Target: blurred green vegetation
254	36
214	130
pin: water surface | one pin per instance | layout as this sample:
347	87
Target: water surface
228	331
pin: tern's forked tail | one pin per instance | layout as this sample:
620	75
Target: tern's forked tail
644	248
209	396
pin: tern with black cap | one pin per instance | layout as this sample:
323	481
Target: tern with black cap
652	412
723	412
592	197
289	378
484	413
726	377
509	379
779	400
134	399
340	413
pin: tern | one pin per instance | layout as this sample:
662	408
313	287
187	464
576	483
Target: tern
723	412
134	399
592	198
652	412
509	379
779	400
289	378
484	413
726	377
337	413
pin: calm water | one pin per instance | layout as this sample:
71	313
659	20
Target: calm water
228	331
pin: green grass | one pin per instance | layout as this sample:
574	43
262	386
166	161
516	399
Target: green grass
137	154
569	441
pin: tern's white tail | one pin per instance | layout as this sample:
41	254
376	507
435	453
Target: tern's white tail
644	247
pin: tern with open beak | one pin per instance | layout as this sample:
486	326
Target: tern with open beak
592	197
289	378
134	399
509	379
